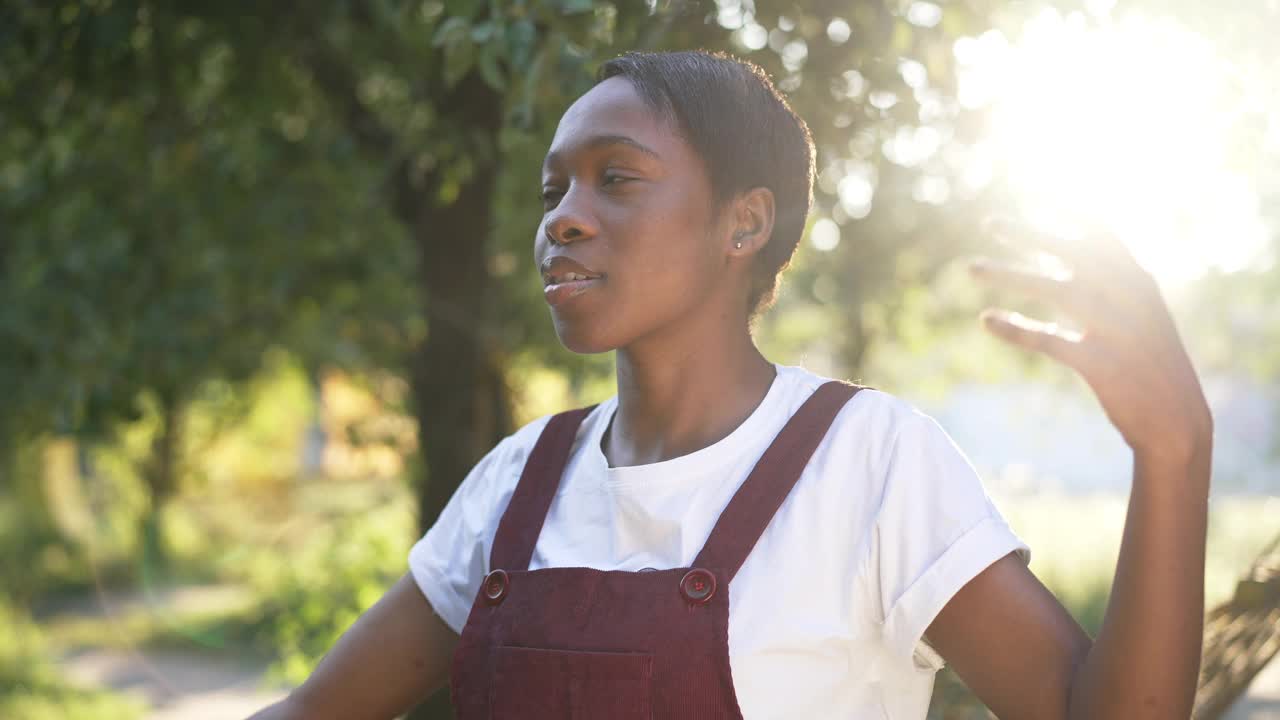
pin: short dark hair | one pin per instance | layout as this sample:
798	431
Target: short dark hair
746	134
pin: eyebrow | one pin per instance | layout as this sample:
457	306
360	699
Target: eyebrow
596	142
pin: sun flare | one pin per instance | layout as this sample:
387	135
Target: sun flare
1132	126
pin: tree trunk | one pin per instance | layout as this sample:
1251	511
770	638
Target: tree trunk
161	475
456	374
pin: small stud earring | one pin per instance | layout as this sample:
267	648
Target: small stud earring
738	245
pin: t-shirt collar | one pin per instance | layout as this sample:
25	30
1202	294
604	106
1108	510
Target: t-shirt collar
712	459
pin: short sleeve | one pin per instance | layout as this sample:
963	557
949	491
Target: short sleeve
935	530
449	561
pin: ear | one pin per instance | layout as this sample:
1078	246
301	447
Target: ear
752	221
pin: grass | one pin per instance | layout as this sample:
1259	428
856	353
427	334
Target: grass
312	574
31	687
1074	544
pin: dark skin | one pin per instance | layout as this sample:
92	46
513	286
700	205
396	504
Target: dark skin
672	303
1145	660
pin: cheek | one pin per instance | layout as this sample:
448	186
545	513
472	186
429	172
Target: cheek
667	248
661	253
664	272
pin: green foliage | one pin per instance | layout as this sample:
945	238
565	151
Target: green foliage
185	187
35	559
312	596
38	557
30	687
127	260
236	203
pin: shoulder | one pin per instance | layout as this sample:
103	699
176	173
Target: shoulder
495	474
891	454
869	404
873	422
521	442
514	449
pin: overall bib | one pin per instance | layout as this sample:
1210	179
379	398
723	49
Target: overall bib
575	643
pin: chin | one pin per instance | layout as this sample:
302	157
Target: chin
584	338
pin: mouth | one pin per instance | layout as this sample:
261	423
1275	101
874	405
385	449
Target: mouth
563	289
564	278
549	279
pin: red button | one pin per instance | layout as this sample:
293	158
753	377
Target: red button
698	585
495	586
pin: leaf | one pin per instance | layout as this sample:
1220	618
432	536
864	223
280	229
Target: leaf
572	7
524	112
520	38
458	59
491	69
463	8
482	32
450	31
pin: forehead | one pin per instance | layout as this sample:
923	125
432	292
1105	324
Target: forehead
613	109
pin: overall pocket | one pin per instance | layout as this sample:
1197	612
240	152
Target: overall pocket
533	683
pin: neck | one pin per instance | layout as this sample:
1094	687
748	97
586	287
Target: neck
685	391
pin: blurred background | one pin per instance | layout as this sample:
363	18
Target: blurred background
267	293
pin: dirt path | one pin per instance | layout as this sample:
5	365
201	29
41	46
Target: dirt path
177	684
193	685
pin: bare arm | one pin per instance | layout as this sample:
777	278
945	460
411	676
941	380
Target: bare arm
390	659
1147	656
1019	650
1008	637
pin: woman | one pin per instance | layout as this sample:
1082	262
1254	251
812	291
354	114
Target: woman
590	560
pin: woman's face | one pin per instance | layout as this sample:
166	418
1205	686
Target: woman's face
629	202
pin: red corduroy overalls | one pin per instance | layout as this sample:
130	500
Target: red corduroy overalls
578	643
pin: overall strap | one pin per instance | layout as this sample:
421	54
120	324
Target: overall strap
754	504
522	522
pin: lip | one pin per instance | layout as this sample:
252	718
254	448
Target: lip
560	293
557	266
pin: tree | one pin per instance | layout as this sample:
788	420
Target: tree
379	133
291	174
147	248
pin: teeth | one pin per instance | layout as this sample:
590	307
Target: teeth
567	277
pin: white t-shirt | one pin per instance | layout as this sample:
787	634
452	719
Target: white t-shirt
827	614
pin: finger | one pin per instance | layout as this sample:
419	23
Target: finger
1056	286
1053	286
1024	236
1108	286
1106	245
1063	345
1091	248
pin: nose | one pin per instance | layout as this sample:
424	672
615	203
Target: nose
569	222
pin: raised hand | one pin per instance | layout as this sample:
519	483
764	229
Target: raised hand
1126	346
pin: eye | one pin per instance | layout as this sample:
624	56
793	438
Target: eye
549	196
